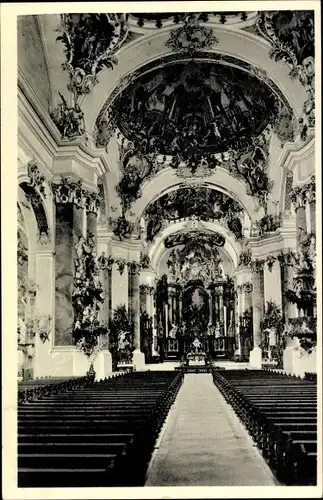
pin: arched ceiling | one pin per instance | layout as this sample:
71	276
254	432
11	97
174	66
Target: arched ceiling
167	180
202	105
138	76
180	232
202	203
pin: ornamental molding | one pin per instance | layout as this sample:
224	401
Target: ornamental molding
272	246
191	37
38	135
90	42
134	268
304	193
72	191
294	153
146	289
78	155
105	262
245	288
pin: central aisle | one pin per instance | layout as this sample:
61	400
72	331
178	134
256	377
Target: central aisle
204	444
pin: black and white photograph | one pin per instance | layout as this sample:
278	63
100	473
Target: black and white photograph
165	309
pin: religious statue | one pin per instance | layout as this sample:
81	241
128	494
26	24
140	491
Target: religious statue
217	331
173	332
122	341
211	330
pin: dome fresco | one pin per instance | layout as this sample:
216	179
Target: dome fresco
211	105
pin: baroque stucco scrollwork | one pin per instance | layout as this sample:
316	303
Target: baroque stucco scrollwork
70	191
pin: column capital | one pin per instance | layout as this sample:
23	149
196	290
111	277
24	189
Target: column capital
71	190
146	289
257	266
134	268
105	262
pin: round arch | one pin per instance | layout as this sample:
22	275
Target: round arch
232	43
167	180
41	204
232	247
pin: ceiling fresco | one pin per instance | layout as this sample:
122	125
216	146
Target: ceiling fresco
199	237
194	105
199	202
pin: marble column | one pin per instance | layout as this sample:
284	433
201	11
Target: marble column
106	264
91	224
180	304
119	284
221	307
311	199
69	229
272	284
143	298
210	307
103	360
257	315
45	282
134	308
290	310
300	215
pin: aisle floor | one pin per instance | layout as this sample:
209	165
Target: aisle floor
204	444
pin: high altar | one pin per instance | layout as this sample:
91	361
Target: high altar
195	302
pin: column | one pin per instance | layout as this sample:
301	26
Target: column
134	308
45	281
91	223
221	307
257	315
290	308
119	284
69	230
103	361
210	307
311	197
154	318
239	311
143	298
300	214
272	284
180	304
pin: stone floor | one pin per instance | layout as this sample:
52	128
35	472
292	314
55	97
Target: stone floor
204	444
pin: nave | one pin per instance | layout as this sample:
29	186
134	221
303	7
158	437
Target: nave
167	310
167	428
204	443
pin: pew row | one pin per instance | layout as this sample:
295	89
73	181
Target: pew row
94	434
280	413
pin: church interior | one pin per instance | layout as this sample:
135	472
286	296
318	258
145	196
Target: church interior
166	249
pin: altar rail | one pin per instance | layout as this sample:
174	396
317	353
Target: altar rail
280	413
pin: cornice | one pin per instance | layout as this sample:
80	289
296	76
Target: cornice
294	153
272	245
126	245
45	132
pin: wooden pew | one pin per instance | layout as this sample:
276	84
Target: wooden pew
280	412
99	434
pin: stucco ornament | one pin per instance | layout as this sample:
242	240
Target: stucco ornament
191	37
